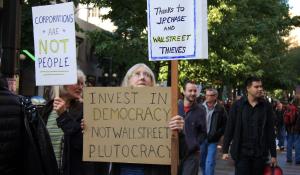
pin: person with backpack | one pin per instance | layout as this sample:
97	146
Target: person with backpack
292	125
11	163
24	142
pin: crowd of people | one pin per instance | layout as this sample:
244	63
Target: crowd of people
247	129
287	127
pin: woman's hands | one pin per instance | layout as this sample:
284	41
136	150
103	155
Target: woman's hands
59	105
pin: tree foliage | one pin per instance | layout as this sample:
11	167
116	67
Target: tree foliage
245	38
26	22
128	44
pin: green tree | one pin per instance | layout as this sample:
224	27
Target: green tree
128	44
291	61
26	23
245	38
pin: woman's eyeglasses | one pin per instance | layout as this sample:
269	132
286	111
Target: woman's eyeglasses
140	74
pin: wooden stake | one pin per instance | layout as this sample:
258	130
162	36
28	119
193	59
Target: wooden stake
174	138
56	91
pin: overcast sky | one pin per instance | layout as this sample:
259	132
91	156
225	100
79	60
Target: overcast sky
295	6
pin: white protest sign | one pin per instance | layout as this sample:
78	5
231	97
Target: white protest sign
177	29
54	44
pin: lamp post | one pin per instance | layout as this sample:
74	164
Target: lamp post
11	37
108	78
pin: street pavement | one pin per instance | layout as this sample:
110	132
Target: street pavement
227	167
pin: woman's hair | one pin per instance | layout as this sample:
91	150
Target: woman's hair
62	89
130	72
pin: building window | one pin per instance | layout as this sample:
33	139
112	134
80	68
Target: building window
94	12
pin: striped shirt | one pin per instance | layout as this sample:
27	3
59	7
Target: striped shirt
56	135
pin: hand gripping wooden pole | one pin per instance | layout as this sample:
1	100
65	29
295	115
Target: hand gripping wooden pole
174	137
56	91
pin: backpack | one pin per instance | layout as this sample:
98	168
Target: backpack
39	150
290	114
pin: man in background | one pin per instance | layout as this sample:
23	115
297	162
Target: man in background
194	131
250	129
216	117
279	124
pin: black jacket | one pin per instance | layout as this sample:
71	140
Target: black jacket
11	145
25	146
233	131
69	122
218	124
279	119
194	128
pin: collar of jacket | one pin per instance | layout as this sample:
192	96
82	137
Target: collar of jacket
244	100
206	106
181	107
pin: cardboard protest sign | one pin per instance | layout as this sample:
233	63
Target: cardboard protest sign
127	125
177	29
54	44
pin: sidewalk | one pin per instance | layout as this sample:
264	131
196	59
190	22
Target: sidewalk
227	167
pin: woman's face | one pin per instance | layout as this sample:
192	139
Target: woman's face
140	78
75	90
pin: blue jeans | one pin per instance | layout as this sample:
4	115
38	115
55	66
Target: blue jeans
208	153
281	136
293	140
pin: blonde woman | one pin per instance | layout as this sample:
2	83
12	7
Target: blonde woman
140	75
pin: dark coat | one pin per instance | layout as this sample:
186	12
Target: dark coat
69	122
12	127
194	129
279	119
218	124
25	145
233	131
